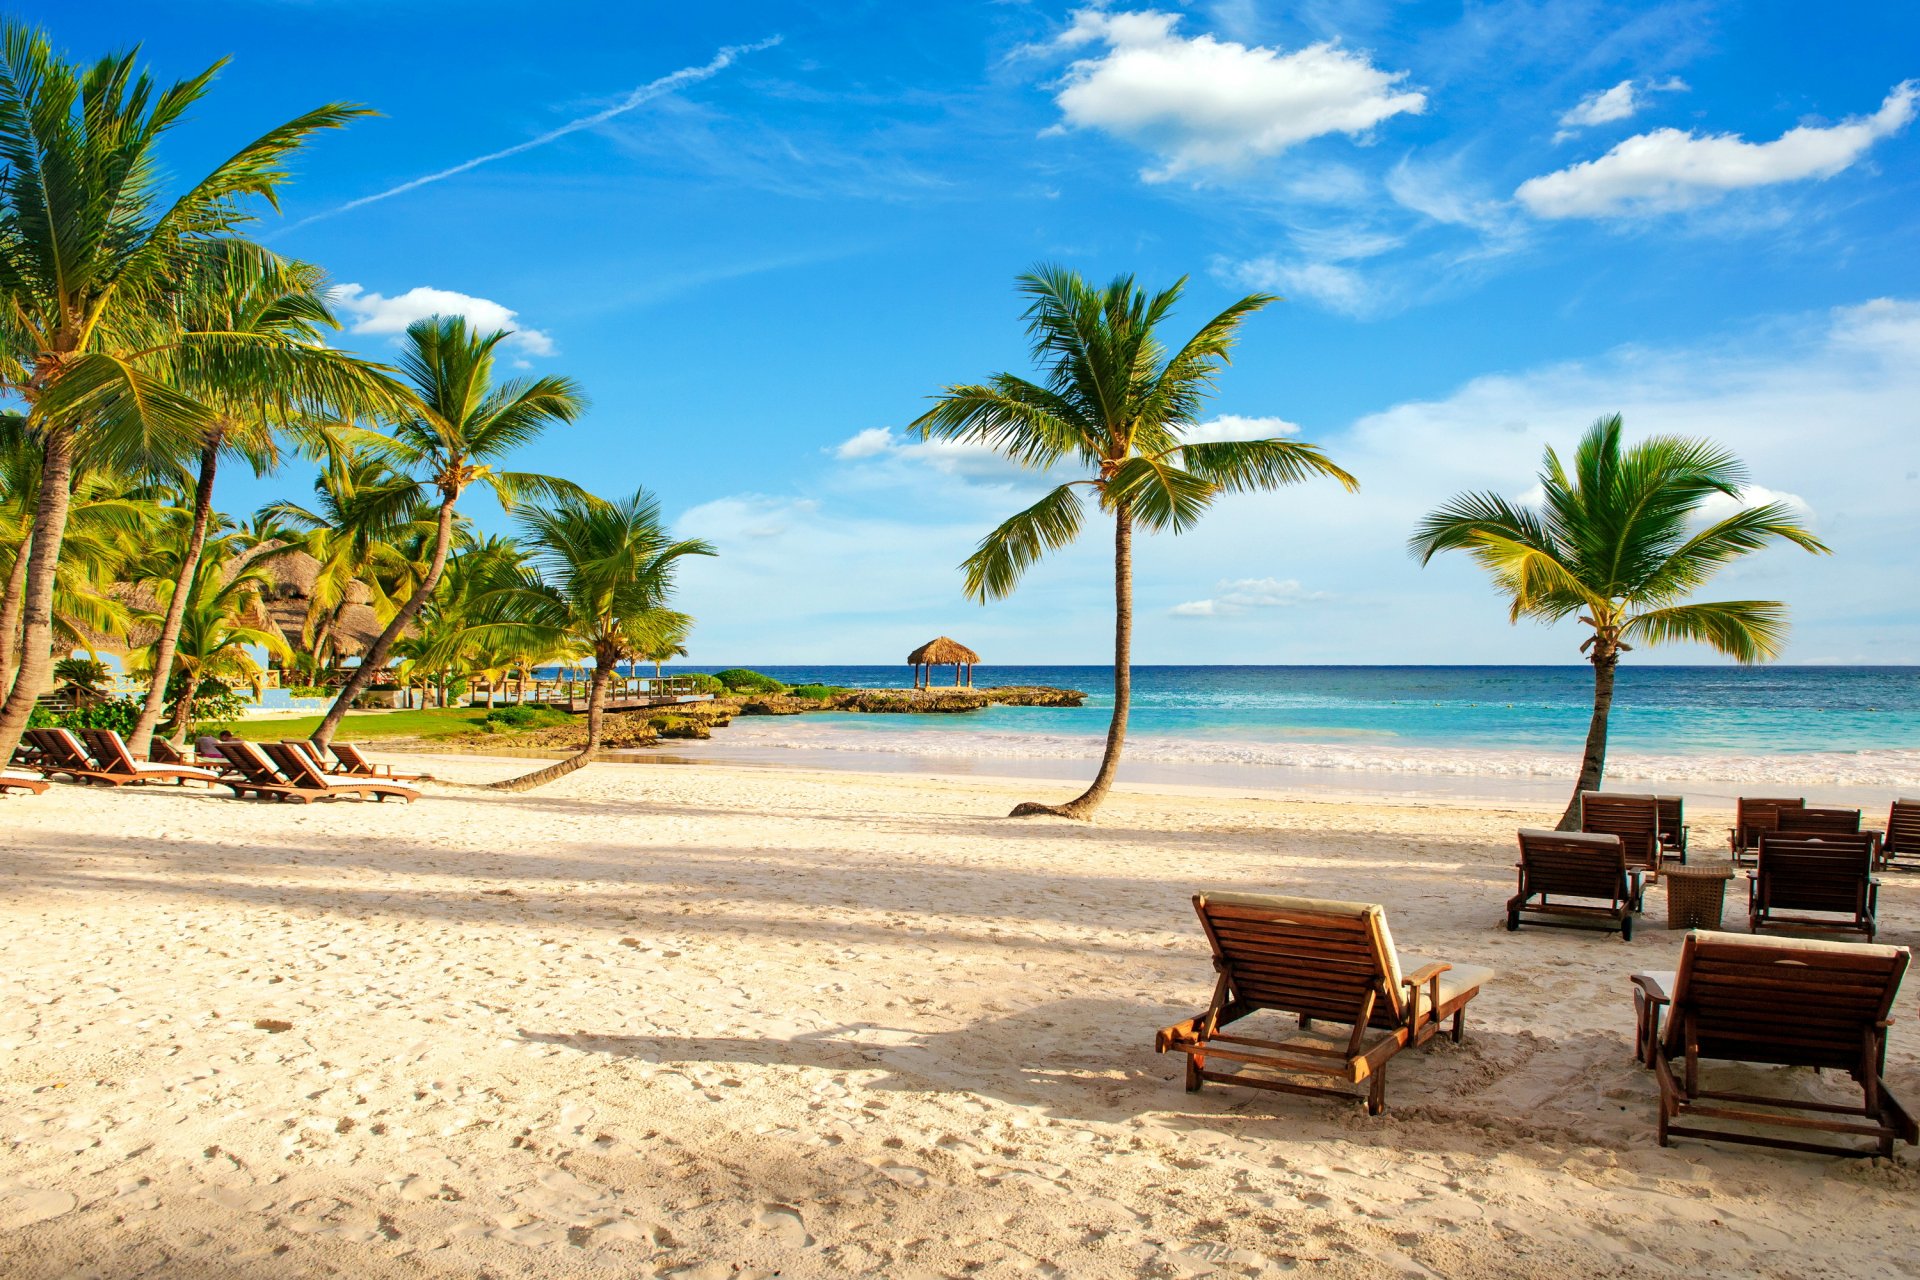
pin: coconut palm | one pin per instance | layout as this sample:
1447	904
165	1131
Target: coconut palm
238	292
464	426
602	576
1620	542
222	618
91	253
1116	402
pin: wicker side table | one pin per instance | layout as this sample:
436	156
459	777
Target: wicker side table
1696	894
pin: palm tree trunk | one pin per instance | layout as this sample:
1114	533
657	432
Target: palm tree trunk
36	632
183	711
375	658
596	719
10	613
1593	764
169	637
1083	805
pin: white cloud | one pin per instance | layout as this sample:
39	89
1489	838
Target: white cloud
961	459
1674	169
1232	426
1239	595
1203	103
1603	107
870	443
1333	286
1719	506
375	313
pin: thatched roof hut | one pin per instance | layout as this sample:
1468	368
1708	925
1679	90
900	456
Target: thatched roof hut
942	651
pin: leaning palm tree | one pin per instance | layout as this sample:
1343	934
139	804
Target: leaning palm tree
1620	544
279	308
601	577
464	425
91	251
1116	402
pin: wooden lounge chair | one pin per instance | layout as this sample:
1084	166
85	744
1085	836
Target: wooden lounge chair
1780	1001
1831	874
1903	831
310	781
1673	826
1569	864
1634	818
61	753
118	767
13	780
1754	817
1315	959
254	773
353	764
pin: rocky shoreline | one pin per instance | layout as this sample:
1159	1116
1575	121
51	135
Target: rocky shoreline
627	730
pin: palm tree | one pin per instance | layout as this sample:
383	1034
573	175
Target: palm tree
669	645
602	575
221	618
1114	401
1619	544
244	294
90	254
464	425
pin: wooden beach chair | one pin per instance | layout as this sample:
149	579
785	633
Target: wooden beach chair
1755	816
13	780
1673	826
1809	821
1634	818
1831	874
61	753
1571	864
254	773
119	768
1313	958
1903	831
304	774
351	763
1780	1001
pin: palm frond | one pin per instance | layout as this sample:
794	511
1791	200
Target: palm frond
994	569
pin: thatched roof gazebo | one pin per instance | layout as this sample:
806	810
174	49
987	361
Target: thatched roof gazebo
941	652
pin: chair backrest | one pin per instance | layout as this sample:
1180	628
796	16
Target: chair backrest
160	751
1672	811
349	756
254	766
1810	821
1815	873
1782	1000
1634	818
296	764
1574	864
110	749
1310	956
1903	827
1754	816
64	747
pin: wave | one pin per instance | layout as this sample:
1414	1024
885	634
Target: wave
1893	768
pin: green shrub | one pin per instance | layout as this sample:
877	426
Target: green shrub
510	718
88	673
117	714
703	683
308	691
817	692
741	680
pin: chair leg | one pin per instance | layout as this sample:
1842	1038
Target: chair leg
1460	1024
1377	1092
1194	1063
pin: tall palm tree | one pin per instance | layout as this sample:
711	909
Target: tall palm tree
1619	543
464	425
602	576
222	619
1116	402
90	253
240	293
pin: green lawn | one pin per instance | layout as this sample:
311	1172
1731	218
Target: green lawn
380	724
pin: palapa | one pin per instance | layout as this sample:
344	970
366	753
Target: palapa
942	651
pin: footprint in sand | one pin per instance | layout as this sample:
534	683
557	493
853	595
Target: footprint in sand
27	1206
905	1175
783	1223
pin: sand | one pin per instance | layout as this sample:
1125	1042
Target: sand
708	1022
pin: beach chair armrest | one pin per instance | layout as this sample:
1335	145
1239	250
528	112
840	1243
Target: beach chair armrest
1192	1031
1424	974
1428	976
1655	991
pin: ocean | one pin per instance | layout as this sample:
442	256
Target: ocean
1713	730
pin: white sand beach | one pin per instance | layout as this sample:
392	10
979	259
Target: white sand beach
711	1022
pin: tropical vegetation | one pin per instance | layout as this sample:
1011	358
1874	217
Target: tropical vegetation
1621	541
1115	401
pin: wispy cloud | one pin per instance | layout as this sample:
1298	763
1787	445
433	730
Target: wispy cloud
639	97
376	313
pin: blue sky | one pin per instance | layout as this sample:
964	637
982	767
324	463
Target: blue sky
1492	223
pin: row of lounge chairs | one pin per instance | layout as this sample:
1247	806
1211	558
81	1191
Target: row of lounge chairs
1733	998
289	770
